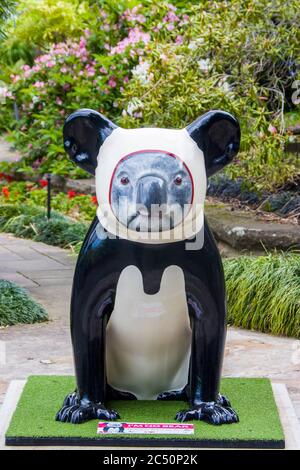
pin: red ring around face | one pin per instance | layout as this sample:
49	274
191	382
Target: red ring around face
150	151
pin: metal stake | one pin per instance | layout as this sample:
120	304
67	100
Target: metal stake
48	177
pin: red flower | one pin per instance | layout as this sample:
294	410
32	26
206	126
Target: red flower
71	194
43	183
94	200
5	191
7	177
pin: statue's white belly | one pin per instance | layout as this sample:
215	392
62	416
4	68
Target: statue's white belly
149	336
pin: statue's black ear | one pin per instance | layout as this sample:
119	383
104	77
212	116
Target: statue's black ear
218	135
84	133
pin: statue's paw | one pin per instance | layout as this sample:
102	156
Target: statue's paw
79	413
71	399
223	401
75	414
210	412
101	412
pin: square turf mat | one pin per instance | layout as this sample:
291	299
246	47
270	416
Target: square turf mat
33	422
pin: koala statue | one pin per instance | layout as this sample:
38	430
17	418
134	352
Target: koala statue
148	309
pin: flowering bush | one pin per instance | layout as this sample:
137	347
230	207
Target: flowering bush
163	64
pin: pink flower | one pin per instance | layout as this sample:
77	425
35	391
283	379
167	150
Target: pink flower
135	36
82	43
15	78
66	86
179	40
30	146
64	69
39	84
272	129
103	70
91	72
112	82
50	63
43	58
58	101
170	27
126	79
36	68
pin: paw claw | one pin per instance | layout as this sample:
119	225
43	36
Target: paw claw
71	399
73	411
223	401
212	413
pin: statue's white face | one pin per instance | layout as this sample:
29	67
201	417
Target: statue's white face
151	191
151	183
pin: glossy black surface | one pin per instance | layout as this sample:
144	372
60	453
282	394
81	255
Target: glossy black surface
100	264
218	135
84	133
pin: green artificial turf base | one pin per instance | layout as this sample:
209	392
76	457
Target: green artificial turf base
33	422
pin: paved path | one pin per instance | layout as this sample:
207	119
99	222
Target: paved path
45	348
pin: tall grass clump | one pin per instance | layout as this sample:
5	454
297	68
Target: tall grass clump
264	293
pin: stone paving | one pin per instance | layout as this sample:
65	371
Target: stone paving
45	348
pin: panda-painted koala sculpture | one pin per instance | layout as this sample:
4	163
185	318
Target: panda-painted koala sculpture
148	313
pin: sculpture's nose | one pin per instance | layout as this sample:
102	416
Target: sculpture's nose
151	191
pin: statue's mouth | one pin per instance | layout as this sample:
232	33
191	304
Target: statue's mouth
143	221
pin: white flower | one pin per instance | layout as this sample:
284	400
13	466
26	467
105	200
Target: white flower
204	65
141	72
3	91
193	44
225	86
133	106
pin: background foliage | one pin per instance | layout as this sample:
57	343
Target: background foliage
153	63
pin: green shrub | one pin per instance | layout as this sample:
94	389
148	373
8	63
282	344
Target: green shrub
38	23
16	306
264	293
31	222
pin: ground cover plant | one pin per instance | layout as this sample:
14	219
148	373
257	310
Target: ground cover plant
17	306
28	221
